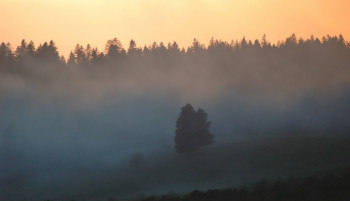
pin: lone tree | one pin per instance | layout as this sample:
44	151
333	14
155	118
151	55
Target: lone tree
192	130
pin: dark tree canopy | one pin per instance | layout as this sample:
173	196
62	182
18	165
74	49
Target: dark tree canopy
114	48
233	55
192	130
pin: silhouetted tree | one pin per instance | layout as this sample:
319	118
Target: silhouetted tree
244	43
192	130
291	41
62	60
71	59
31	48
21	51
196	48
95	58
6	52
173	48
113	48
80	56
146	50
264	42
88	52
48	52
162	47
133	50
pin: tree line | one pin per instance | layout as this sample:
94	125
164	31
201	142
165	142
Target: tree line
292	65
115	52
332	186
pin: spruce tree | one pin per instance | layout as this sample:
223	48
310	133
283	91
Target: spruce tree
192	130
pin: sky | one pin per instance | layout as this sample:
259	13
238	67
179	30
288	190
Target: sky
93	22
72	133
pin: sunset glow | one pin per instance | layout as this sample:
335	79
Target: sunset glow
89	21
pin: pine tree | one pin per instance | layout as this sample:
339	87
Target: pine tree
192	130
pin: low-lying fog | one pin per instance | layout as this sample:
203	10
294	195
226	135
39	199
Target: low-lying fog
107	130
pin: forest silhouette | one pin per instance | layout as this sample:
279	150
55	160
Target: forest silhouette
229	53
289	68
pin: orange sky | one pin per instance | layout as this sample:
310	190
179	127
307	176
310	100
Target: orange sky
69	22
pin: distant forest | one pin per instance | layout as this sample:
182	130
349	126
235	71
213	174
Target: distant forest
292	67
114	54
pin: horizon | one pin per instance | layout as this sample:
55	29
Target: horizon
90	22
231	42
